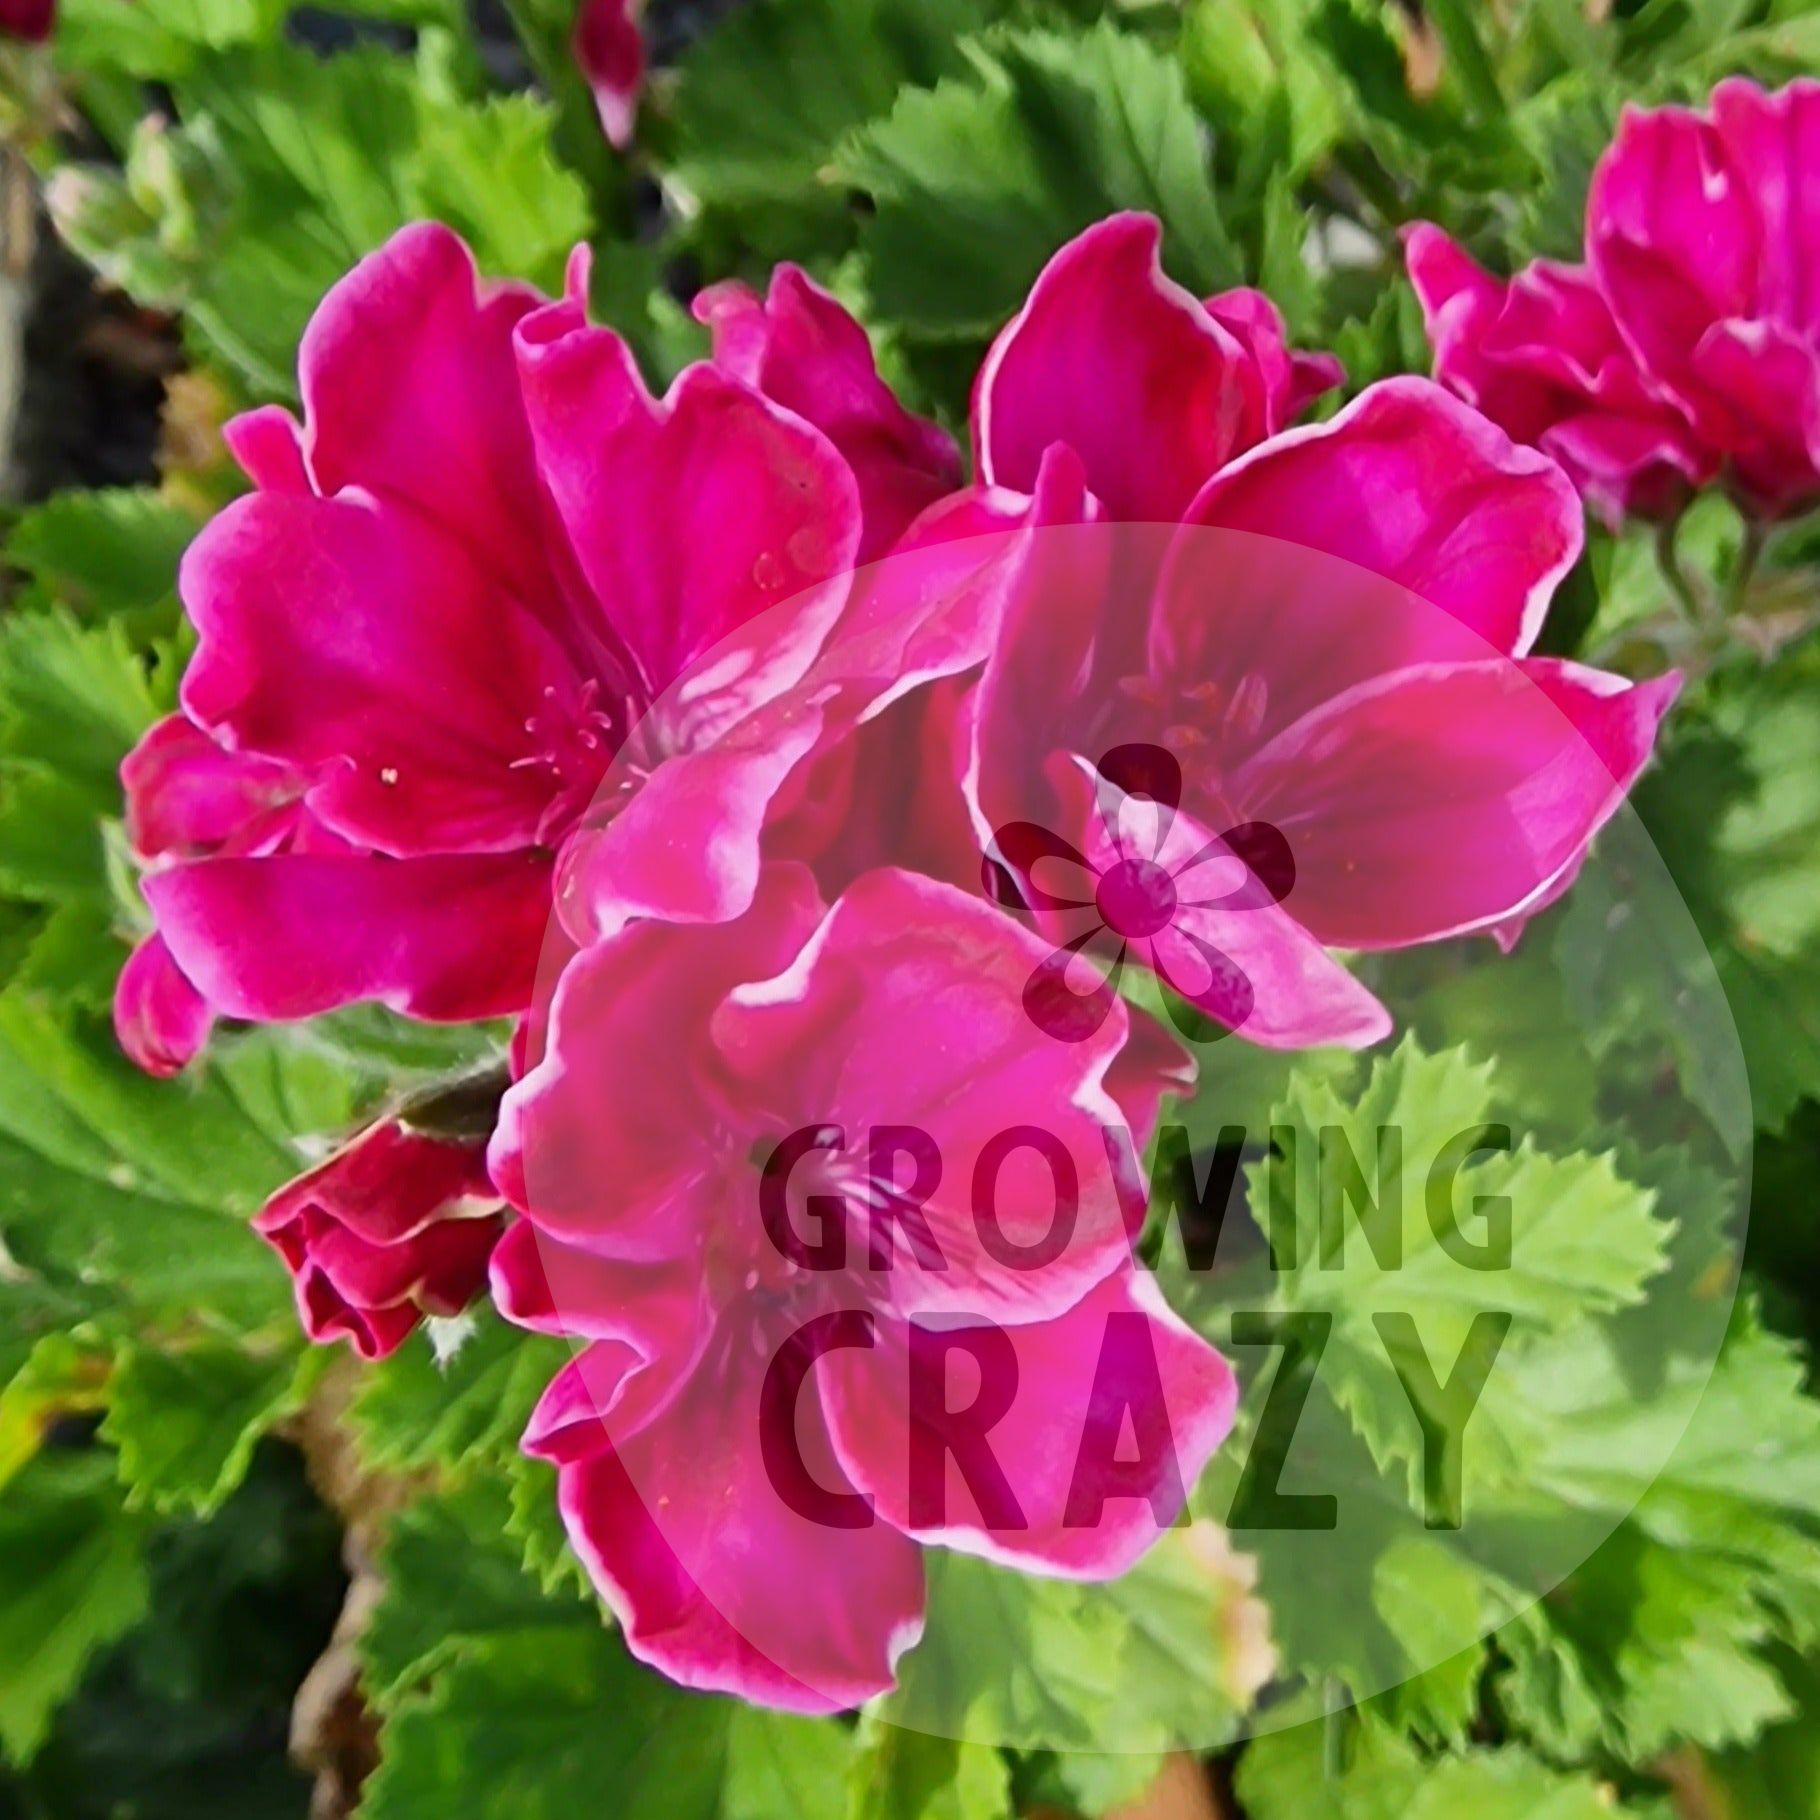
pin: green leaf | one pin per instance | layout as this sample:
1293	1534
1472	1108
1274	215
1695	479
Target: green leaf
488	171
416	1410
1165	1657
778	1764
1416	1145
1734	809
102	553
288	168
535	1524
907	1775
763	100
99	1179
160	39
1780	1773
186	1422
978	180
51	849
47	1376
541	1724
72	1579
1252	76
1290	1775
452	1584
186	1717
1646	1648
1664	1634
73	699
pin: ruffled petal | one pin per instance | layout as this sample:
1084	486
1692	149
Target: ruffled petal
187	795
714	1578
160	1019
907	1011
410	391
1110	1412
1125	367
745	521
1414	486
450	938
353	641
628	1029
800	347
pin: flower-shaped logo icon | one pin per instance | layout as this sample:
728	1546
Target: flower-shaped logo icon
1144	881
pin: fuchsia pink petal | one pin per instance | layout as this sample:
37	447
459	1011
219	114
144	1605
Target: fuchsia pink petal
1124	366
718	1585
621	1034
357	643
1542	357
741	508
1341	619
161	1020
1408	483
610	50
908	993
890	1033
410	392
1687	349
1291	380
1536	755
448	938
186	795
394	1226
800	348
1116	1379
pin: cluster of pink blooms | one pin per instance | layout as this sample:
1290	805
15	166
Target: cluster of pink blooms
506	663
1685	350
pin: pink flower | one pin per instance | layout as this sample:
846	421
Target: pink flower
1332	647
839	1153
609	49
1686	348
394	1226
31	21
160	1019
487	566
187	798
801	348
1701	231
1541	356
1153	390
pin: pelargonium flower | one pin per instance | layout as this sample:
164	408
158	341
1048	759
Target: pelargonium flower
485	571
1542	357
609	49
1685	348
1333	642
395	1225
187	798
839	1152
1153	388
1700	229
31	21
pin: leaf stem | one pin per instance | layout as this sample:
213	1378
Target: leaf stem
1668	560
1750	553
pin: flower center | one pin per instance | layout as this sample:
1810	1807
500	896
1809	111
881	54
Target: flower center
576	740
1136	898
